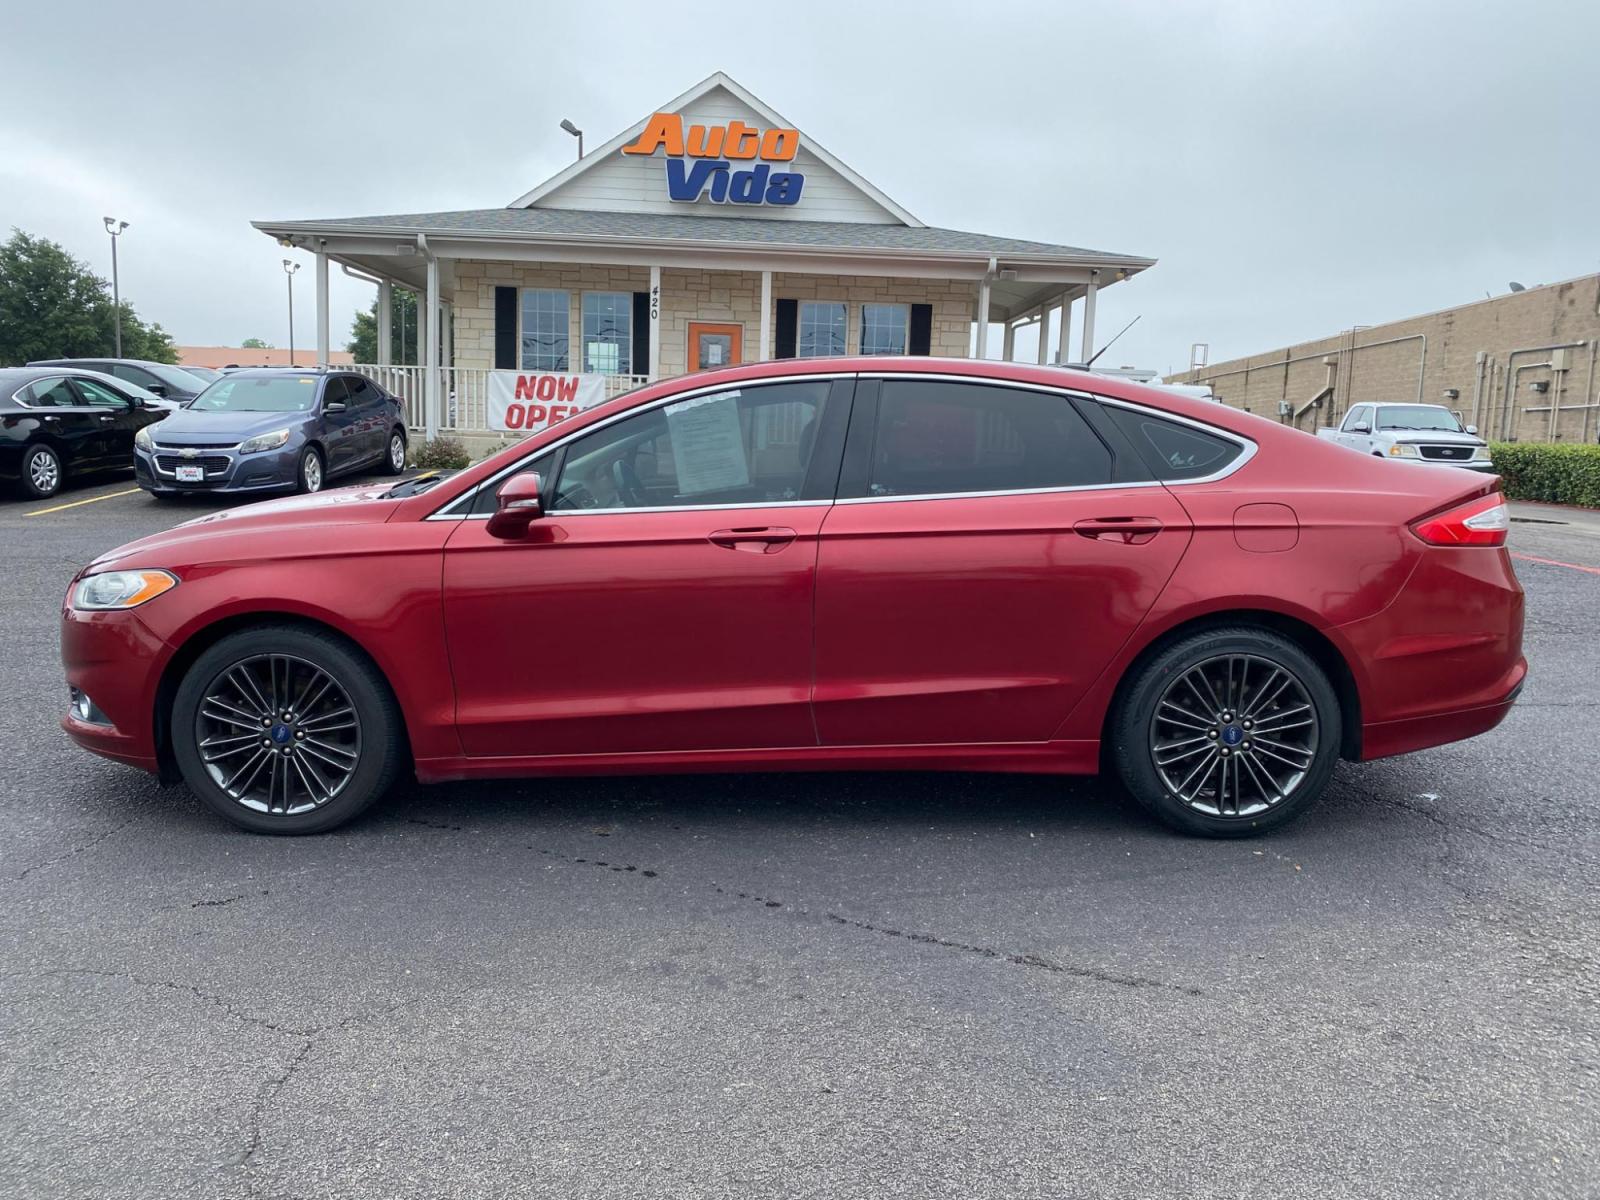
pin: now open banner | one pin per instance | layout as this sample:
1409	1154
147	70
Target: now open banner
528	401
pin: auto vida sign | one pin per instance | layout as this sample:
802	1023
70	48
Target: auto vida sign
726	164
528	401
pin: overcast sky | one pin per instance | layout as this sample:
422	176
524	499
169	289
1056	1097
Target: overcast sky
1296	168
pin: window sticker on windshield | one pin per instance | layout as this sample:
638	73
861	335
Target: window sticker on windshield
708	444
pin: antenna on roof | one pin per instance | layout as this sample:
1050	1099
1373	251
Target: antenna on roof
1109	344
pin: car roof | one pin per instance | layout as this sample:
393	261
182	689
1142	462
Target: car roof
12	378
105	358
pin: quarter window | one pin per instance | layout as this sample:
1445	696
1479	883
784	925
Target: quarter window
608	333
1173	451
883	328
821	329
545	321
749	446
937	439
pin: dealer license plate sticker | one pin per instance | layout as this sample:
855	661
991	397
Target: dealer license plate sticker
191	474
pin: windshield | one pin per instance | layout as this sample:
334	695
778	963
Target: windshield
175	377
1417	416
258	393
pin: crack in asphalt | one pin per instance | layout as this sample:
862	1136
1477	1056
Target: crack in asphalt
76	850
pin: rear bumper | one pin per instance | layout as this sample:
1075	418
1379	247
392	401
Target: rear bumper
1387	738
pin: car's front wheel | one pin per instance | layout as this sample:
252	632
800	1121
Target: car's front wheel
395	460
282	729
1228	733
309	472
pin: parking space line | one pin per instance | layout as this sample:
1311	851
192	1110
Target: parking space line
1555	562
39	512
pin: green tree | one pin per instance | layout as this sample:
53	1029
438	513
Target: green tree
53	306
254	344
363	343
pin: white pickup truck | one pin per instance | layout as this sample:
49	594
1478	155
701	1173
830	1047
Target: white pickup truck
1419	433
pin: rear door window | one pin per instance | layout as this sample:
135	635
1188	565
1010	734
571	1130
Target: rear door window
939	438
48	393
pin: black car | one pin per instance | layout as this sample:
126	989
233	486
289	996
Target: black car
56	421
175	383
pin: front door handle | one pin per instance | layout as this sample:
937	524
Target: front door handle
754	539
107	417
1132	531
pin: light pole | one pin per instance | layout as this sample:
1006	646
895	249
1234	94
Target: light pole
115	227
575	132
289	268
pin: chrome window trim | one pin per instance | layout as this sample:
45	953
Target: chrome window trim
466	498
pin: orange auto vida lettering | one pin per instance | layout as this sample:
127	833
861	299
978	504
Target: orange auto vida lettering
736	140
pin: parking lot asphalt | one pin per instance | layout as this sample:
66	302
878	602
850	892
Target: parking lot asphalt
843	985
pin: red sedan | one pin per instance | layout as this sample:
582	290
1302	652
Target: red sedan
820	564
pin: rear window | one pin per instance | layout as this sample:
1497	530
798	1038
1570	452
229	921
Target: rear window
1173	451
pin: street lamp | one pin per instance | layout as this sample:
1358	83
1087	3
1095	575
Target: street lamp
289	268
575	132
115	227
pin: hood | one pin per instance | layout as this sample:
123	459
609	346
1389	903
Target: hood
186	543
223	428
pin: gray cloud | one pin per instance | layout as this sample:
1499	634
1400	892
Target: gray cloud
1296	168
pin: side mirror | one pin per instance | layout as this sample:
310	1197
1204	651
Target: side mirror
1472	429
157	389
1361	429
333	406
518	507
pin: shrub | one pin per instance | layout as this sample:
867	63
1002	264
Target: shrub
1563	473
441	454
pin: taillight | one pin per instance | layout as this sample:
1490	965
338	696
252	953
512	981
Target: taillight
1480	522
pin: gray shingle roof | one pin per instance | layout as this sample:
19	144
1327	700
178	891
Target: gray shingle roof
659	227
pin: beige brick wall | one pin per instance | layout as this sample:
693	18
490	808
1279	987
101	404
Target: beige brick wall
1475	349
732	297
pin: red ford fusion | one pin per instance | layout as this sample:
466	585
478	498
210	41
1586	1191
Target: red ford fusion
822	564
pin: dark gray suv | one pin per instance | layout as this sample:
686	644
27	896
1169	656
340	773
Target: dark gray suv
161	379
272	430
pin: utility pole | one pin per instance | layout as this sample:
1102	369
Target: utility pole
115	227
289	268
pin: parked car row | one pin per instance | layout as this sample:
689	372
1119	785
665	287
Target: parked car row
252	430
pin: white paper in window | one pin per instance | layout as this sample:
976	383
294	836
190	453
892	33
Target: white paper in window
708	444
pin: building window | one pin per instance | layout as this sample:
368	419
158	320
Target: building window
822	326
545	318
608	333
883	328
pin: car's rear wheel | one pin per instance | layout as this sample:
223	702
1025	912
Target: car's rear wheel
281	729
395	461
1228	733
309	474
41	471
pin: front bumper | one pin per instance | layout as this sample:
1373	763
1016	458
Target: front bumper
223	468
115	660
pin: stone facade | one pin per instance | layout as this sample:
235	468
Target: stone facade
1523	366
728	297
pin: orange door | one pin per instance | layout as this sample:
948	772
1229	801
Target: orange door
714	345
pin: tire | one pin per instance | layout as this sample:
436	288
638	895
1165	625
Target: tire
318	771
394	460
311	473
1227	778
41	472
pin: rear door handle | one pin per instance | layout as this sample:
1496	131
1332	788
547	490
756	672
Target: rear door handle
1133	531
107	417
754	539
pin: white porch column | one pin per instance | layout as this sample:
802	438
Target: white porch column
322	308
1064	346
1008	341
431	381
655	323
766	317
1087	345
385	323
1044	334
982	350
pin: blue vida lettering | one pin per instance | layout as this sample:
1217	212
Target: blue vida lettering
759	185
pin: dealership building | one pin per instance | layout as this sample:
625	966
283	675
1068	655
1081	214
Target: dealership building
711	232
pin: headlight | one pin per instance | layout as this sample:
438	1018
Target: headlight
1401	450
264	441
1481	454
143	440
121	589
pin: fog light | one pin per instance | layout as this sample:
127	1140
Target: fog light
84	708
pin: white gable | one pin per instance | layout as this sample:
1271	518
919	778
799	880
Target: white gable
610	181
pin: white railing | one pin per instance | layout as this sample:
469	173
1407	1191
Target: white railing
464	394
